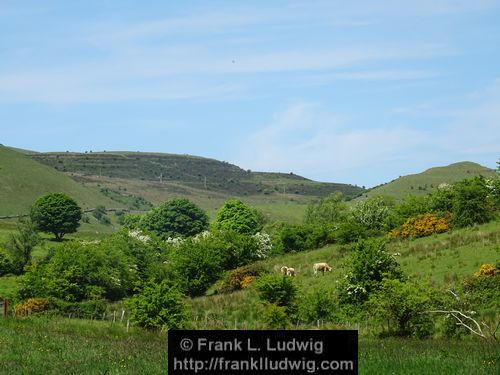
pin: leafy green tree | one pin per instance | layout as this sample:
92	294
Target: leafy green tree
330	210
158	305
20	245
369	264
176	218
373	212
404	305
56	213
196	264
278	290
471	203
236	216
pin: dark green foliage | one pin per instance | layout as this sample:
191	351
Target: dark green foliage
470	203
158	305
20	244
369	264
317	305
6	265
75	272
176	218
197	264
87	309
330	210
131	221
299	237
275	317
404	306
238	217
277	289
56	213
410	206
99	212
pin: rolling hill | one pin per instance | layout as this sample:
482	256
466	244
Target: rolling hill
429	180
23	180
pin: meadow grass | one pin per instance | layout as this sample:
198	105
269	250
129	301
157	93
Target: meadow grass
43	345
49	345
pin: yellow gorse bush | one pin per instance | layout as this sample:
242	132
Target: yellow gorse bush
487	270
31	305
420	226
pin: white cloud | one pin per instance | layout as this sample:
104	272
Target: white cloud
307	140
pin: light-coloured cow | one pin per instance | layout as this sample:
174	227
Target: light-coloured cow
290	271
321	267
284	270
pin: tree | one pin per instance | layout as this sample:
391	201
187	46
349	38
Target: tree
237	216
56	213
330	210
176	218
470	204
21	244
158	305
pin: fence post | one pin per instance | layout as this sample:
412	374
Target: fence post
5	306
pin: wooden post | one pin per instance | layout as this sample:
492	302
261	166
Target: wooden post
5	306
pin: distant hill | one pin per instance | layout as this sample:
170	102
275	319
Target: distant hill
429	180
23	180
193	172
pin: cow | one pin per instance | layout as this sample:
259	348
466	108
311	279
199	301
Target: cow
290	271
323	267
284	270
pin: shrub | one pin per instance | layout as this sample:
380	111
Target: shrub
487	270
421	226
404	305
31	305
329	211
471	202
158	305
240	278
75	272
317	305
277	289
369	264
275	317
300	237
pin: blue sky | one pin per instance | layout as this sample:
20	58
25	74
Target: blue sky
342	91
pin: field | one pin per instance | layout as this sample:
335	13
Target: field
62	346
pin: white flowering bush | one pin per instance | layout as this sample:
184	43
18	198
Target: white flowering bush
138	235
264	245
370	265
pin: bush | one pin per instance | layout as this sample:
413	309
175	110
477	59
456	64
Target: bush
278	290
240	278
317	305
300	237
275	317
31	306
404	305
471	203
75	272
329	211
421	226
369	264
158	305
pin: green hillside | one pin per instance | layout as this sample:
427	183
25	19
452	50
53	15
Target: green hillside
188	172
23	180
429	180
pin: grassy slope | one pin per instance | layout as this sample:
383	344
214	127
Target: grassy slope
23	180
428	181
440	259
